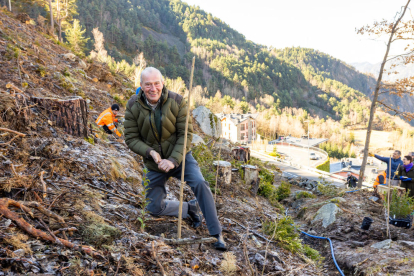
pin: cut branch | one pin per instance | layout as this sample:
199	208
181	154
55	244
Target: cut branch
12	131
4	210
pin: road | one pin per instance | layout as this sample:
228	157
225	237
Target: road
294	172
301	156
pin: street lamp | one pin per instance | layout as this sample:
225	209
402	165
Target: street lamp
307	121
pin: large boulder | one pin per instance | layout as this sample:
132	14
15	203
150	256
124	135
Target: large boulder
327	213
208	122
197	140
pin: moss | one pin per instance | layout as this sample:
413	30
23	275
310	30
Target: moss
66	72
90	140
41	71
96	231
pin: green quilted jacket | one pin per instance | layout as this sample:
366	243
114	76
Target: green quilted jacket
141	134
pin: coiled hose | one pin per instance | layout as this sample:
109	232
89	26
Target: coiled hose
330	243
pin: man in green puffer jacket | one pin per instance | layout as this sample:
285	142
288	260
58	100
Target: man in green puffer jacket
154	128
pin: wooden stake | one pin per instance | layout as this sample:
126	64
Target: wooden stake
388	198
180	208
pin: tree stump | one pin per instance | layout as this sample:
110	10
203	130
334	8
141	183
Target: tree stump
224	173
241	154
251	178
71	113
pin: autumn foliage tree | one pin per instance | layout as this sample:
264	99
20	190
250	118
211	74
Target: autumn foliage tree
395	31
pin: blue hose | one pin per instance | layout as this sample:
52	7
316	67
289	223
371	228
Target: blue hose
332	249
352	191
323	238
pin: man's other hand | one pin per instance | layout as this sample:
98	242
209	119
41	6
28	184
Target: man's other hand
371	154
166	165
156	156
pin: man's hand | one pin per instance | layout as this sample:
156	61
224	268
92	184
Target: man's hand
371	154
156	156
166	165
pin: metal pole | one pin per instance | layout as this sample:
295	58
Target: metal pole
180	207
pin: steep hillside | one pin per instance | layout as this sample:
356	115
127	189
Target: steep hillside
170	32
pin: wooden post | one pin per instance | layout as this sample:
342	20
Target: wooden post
180	207
224	172
388	198
251	178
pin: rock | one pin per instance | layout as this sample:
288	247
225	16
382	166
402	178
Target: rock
69	56
327	214
272	255
197	140
19	253
408	244
209	123
279	268
386	244
373	198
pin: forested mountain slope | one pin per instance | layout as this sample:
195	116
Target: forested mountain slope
170	32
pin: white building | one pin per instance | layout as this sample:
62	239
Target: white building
238	127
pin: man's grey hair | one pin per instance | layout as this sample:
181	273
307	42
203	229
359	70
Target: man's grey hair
399	152
150	70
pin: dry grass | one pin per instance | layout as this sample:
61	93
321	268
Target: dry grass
117	170
18	242
228	265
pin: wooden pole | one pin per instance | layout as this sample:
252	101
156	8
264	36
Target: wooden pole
388	198
180	208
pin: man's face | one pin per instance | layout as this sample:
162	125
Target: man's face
152	86
395	155
349	174
115	112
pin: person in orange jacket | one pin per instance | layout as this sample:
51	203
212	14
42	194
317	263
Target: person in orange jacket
108	121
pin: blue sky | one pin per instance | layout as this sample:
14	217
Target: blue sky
325	25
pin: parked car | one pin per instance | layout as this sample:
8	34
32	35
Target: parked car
313	156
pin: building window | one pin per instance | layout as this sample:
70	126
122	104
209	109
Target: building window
242	127
242	136
229	126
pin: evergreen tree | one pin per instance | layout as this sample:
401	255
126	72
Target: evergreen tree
76	39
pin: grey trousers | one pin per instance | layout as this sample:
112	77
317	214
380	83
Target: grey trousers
159	206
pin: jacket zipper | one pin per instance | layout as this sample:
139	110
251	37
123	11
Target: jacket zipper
155	134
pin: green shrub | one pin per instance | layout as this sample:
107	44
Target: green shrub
305	194
325	166
282	192
266	189
285	233
400	205
330	190
311	253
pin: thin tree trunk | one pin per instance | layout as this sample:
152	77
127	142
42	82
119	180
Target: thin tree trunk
375	99
9	5
52	23
59	21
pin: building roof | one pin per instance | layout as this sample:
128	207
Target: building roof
236	118
303	142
